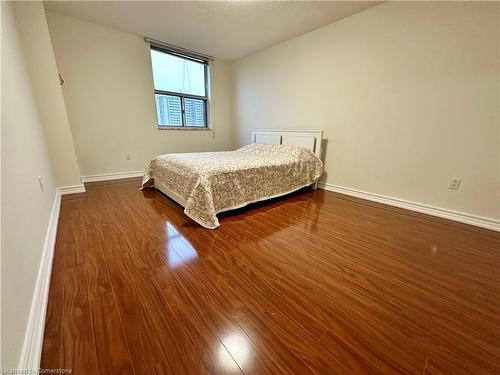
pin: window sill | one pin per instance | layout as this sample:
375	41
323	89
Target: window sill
188	128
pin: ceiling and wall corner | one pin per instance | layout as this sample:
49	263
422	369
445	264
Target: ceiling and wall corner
227	30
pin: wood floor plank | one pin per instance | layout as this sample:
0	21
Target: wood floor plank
315	282
112	351
213	307
78	346
285	360
71	240
52	347
287	329
204	339
180	354
145	349
113	356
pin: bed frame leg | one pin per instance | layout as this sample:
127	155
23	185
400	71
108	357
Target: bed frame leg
315	186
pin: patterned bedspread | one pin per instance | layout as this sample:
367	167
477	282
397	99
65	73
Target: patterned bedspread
212	182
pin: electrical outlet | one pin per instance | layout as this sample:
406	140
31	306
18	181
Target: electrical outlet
455	183
40	182
127	156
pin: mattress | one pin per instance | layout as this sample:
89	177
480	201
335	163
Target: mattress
207	183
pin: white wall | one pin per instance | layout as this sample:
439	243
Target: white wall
108	92
407	93
41	64
25	209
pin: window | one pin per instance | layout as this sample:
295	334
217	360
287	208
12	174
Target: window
181	89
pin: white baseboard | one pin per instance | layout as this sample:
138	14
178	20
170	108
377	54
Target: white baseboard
32	347
479	221
112	176
75	189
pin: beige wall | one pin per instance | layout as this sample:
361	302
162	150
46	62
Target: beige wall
41	64
407	93
25	209
108	92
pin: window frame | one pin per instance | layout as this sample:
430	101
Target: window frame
183	96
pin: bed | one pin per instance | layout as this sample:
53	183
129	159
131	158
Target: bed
206	183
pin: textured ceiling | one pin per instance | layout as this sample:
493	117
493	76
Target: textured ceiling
224	29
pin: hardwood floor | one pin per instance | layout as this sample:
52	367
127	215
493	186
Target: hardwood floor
315	282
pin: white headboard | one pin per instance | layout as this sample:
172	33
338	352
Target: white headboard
310	139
